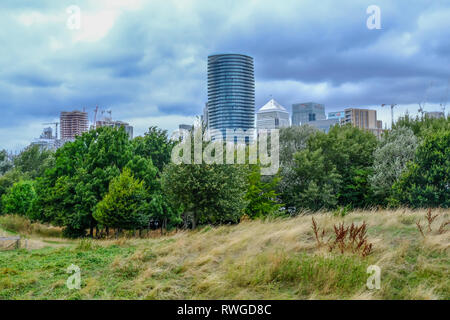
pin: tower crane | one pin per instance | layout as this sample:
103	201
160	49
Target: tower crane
95	117
422	104
445	99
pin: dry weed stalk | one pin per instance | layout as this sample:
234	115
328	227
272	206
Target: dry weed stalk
430	219
316	232
352	238
420	228
442	227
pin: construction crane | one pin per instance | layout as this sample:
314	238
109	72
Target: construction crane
95	117
445	99
422	104
56	124
392	112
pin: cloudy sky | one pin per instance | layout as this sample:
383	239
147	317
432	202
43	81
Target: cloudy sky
146	59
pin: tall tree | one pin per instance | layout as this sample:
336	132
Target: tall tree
261	194
124	205
426	181
155	145
395	150
70	191
19	199
208	193
5	162
33	161
332	170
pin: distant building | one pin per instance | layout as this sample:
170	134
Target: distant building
187	127
303	113
336	115
205	115
108	122
272	116
435	114
323	125
364	119
73	124
231	93
47	140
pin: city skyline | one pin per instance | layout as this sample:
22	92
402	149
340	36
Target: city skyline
147	60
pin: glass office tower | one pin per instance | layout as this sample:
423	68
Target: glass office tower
231	92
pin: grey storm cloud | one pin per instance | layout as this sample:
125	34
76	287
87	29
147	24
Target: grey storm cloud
146	60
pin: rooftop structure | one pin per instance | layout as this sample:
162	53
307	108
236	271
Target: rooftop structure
272	116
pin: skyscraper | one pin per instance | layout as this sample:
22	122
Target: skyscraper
272	116
303	113
231	92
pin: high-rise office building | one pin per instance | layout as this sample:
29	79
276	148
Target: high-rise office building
73	124
272	116
303	113
231	92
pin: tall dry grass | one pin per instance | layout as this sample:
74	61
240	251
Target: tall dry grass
280	259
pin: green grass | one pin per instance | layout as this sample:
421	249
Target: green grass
42	273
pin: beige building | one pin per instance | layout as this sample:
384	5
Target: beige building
73	124
364	119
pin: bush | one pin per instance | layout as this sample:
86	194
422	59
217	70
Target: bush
19	199
22	225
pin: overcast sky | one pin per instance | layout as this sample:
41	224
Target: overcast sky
146	60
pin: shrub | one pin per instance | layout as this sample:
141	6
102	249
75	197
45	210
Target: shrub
19	199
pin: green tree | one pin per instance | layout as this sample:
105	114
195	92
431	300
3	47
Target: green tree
293	139
155	145
395	150
33	161
5	162
426	181
422	127
19	199
124	205
332	170
261	195
7	180
207	193
70	191
318	181
162	211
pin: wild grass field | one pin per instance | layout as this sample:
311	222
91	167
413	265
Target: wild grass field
270	259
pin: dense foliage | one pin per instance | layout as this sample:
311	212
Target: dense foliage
19	199
393	153
426	182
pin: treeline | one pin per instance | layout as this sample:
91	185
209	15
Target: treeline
103	180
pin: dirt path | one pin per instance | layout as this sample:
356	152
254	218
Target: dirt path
32	243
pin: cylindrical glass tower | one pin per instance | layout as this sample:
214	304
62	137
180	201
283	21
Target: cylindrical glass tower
231	92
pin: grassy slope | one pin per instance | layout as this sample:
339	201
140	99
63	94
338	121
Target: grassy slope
253	260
